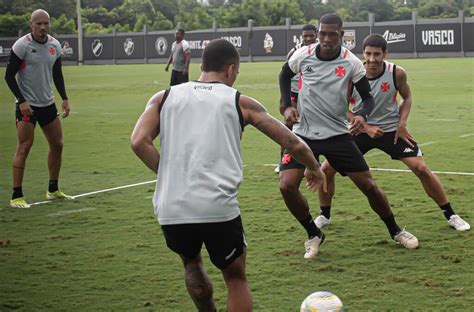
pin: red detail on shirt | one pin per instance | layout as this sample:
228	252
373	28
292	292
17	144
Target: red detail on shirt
394	98
385	87
22	65
300	82
345	53
52	51
286	159
340	71
309	50
389	67
352	100
25	118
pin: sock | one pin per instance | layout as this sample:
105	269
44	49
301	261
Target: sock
326	211
310	227
17	192
447	210
53	186
392	226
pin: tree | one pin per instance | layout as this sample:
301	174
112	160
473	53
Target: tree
11	24
161	22
63	25
438	8
100	15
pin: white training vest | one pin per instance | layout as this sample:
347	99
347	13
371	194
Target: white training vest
385	114
200	166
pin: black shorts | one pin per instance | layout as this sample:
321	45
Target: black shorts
294	96
340	151
178	77
225	241
385	143
43	115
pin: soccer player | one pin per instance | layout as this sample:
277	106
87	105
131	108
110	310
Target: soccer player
180	56
308	33
35	61
386	130
328	73
199	170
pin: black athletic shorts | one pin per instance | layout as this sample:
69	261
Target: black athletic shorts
340	151
224	241
294	96
385	143
178	77
43	115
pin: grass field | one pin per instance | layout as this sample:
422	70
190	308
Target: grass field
106	252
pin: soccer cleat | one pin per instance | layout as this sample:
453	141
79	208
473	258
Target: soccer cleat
19	202
277	169
312	246
321	221
408	240
458	223
58	195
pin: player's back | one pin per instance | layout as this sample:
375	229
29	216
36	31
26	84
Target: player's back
200	164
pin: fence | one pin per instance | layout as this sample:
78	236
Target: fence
406	39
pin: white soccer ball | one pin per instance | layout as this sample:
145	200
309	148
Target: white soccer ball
322	301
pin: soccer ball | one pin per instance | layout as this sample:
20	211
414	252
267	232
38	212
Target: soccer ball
322	301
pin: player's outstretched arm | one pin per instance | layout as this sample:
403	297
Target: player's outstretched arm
405	107
145	132
255	114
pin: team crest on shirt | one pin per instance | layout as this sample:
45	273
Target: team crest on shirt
385	87
52	51
340	71
128	46
349	39
286	159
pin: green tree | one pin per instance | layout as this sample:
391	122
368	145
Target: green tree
100	15
63	25
161	22
10	24
438	8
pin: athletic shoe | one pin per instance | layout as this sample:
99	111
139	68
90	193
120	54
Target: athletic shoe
458	223
19	202
312	246
408	240
58	195
277	169
321	221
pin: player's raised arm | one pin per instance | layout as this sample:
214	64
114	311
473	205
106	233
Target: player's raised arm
256	115
146	130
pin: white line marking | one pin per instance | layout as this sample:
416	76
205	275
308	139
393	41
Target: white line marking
466	135
66	212
265	165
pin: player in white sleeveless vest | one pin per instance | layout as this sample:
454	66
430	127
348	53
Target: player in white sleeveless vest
329	71
199	169
386	130
34	63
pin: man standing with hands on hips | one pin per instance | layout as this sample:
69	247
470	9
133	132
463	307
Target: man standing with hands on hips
34	63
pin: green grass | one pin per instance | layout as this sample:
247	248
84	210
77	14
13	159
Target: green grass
106	252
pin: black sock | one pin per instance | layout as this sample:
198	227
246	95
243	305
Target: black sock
53	186
325	211
392	226
17	192
310	227
447	210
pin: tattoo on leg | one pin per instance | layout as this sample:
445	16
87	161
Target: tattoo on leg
199	287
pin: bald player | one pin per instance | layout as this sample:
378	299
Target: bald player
34	63
328	72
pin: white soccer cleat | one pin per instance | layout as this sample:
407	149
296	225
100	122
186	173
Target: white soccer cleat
321	221
312	246
277	169
19	202
458	223
408	240
58	195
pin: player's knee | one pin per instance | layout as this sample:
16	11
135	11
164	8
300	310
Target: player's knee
24	147
288	187
369	188
421	171
57	145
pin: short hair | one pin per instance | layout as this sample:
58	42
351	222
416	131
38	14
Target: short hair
331	18
218	54
180	30
309	27
375	40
